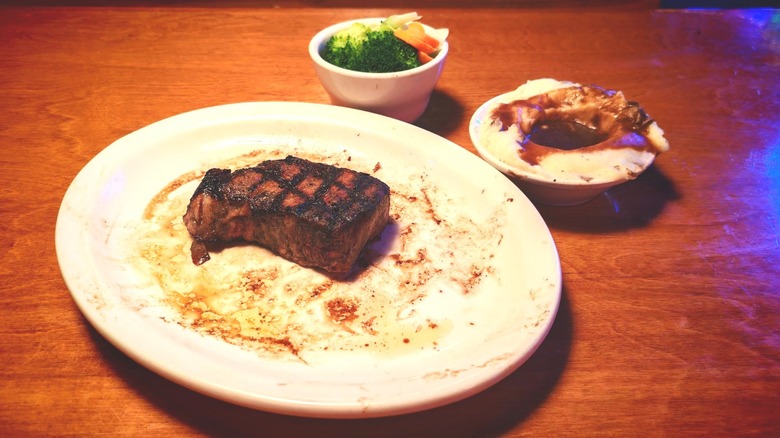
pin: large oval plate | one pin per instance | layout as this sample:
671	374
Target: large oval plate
461	288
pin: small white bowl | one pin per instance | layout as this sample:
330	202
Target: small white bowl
538	188
403	95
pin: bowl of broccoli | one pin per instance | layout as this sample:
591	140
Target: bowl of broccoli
388	66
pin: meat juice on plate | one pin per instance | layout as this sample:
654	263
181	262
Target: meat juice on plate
394	301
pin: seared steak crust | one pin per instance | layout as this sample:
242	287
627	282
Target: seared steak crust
314	214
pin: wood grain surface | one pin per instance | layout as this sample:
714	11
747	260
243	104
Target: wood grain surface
671	296
395	4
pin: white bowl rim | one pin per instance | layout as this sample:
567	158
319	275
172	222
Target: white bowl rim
476	120
322	36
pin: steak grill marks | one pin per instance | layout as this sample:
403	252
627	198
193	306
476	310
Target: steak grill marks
334	209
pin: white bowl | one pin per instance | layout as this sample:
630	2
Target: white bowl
539	188
403	95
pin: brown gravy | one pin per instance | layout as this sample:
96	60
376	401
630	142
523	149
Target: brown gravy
578	118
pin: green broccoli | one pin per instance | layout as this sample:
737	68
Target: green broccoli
370	49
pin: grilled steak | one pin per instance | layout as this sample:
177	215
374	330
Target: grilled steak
313	214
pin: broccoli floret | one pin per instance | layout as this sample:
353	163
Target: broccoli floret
374	50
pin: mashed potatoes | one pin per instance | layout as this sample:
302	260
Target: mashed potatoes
626	138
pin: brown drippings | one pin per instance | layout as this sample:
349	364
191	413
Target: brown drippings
163	195
342	310
582	118
250	298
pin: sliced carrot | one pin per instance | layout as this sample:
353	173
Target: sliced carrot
424	57
418	30
414	41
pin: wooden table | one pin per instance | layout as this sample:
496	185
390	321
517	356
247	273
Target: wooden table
669	320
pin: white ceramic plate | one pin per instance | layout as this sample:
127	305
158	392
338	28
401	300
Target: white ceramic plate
460	290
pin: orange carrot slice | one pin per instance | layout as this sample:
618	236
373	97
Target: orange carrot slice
424	57
414	40
419	31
